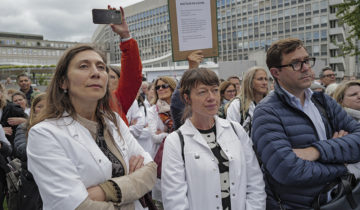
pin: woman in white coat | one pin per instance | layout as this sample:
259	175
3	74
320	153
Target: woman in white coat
80	152
219	169
255	87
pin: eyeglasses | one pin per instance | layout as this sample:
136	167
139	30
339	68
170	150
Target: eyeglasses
298	65
329	75
163	86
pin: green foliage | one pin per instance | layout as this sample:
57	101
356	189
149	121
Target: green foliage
349	13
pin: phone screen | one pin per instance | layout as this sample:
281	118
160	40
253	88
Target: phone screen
105	16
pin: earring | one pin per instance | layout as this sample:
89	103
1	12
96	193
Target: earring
65	91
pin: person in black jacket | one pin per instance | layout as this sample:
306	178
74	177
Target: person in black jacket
29	192
8	114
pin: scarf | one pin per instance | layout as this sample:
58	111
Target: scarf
163	109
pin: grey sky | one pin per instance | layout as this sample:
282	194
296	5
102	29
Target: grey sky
62	20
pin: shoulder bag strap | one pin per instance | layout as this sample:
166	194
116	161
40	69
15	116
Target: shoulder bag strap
182	144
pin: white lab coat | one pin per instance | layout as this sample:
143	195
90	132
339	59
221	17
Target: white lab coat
155	123
65	160
197	184
140	130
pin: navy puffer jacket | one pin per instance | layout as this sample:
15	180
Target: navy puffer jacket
279	126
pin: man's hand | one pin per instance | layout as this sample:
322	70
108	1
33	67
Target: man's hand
309	153
135	163
96	193
339	134
123	28
195	58
16	120
8	131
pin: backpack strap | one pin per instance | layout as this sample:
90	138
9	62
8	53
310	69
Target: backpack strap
182	144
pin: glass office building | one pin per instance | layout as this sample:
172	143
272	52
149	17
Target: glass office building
244	27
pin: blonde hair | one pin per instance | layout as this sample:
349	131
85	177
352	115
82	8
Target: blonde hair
339	92
3	96
247	94
168	80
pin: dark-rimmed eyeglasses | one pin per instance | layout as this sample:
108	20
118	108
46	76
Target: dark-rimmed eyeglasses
163	86
330	75
298	65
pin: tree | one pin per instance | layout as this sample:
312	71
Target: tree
348	12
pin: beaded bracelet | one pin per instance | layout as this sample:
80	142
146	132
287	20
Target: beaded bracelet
117	189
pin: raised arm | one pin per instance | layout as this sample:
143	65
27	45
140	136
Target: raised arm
177	106
131	68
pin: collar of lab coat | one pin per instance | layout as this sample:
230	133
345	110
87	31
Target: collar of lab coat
189	129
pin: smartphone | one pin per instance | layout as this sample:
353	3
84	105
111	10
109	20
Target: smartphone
106	16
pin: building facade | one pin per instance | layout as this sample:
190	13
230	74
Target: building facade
244	27
30	49
29	53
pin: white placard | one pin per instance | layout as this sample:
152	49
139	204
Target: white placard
194	24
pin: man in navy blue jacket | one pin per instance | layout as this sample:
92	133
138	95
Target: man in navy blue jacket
304	139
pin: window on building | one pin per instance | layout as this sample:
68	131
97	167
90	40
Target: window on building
332	10
316	20
268	29
287	26
301	9
274	27
273	14
287	12
308	36
316	35
323	35
251	45
323	49
250	20
267	16
323	4
261	17
323	20
249	7
273	3
333	23
280	3
239	22
262	30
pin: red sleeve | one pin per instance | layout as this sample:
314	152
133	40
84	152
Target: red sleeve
130	75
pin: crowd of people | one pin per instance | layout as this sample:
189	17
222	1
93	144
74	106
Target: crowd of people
102	138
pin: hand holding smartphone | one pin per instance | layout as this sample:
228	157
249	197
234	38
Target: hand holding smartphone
106	16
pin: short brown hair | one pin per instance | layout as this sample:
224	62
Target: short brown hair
190	79
223	86
280	47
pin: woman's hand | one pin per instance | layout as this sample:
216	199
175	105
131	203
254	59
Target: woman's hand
195	58
96	193
16	120
8	130
135	163
123	28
